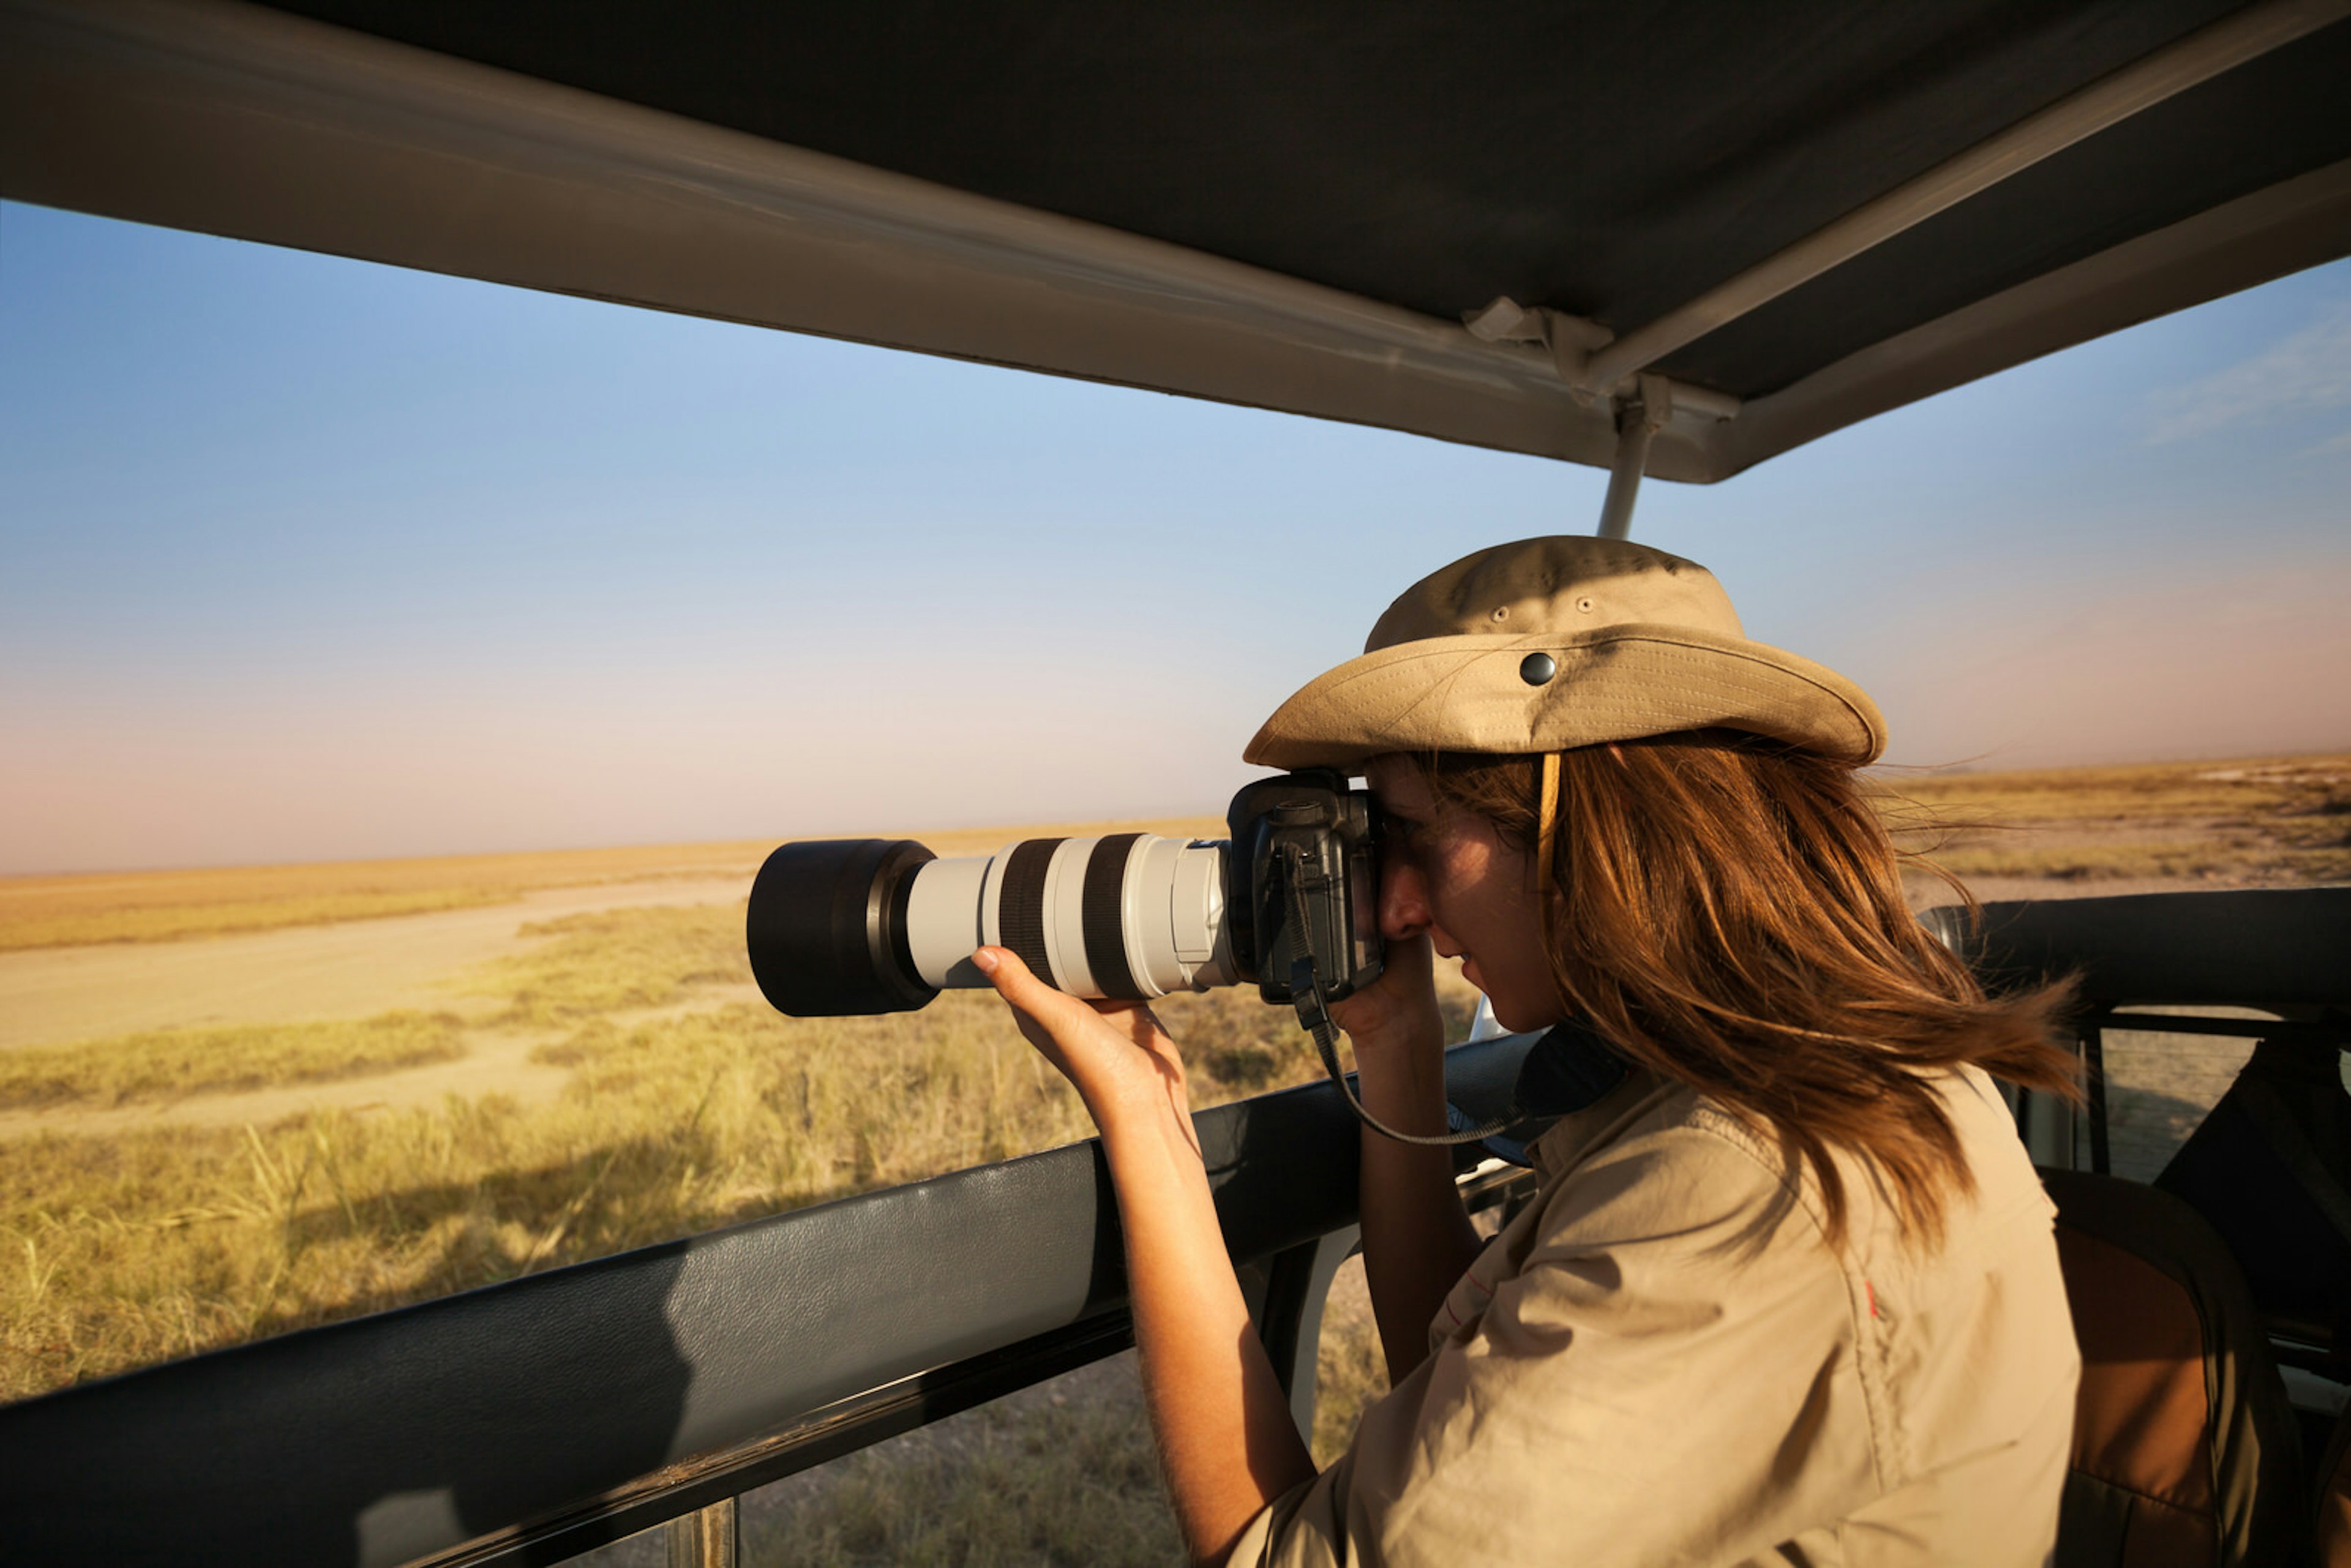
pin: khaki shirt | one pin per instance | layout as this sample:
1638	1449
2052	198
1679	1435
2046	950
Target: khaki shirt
1659	1361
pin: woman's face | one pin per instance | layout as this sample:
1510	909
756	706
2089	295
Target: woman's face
1447	873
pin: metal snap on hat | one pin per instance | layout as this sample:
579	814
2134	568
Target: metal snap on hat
1556	642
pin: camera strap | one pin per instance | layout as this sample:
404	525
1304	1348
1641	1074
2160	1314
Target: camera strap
1314	1014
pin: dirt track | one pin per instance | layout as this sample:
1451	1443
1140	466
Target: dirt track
355	969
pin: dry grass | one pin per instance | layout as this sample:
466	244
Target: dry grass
616	960
2246	787
1064	1473
161	1242
168	1064
154	1244
1350	1369
2272	820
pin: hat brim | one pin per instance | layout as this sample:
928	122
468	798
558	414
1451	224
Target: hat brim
1615	683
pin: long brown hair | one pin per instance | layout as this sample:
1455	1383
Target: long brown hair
1729	913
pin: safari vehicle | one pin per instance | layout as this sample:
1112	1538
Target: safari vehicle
1671	241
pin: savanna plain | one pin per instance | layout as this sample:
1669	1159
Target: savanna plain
242	1102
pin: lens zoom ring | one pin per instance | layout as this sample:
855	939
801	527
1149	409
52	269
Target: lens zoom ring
1020	904
1102	918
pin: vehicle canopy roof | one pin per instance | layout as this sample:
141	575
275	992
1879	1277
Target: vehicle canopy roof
1480	223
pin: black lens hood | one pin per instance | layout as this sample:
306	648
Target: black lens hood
827	928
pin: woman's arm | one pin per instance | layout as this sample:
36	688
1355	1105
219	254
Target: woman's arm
1417	1239
1223	1423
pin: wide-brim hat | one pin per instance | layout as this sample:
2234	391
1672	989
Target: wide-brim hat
1556	642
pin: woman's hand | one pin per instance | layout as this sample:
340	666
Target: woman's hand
1395	1014
1122	1061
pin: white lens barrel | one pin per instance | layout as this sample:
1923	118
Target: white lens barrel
1131	916
943	921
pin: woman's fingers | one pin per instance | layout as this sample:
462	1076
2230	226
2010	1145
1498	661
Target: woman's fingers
1045	1014
1092	1043
1399	1008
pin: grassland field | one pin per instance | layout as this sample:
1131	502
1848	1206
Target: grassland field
173	1189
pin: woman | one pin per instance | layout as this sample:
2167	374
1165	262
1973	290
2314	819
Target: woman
1787	1291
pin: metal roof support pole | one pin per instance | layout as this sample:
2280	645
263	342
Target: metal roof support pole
1637	424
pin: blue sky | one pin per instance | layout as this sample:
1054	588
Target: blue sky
303	558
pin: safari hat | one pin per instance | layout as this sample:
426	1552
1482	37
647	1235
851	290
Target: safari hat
1551	643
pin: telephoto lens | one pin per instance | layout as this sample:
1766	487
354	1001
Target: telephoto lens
846	927
881	925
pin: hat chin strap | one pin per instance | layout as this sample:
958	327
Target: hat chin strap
1546	821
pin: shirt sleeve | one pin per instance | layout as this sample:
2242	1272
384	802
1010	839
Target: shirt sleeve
1657	1366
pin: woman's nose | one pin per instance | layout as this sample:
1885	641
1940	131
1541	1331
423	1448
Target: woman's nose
1404	899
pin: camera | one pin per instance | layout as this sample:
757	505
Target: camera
1289	902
